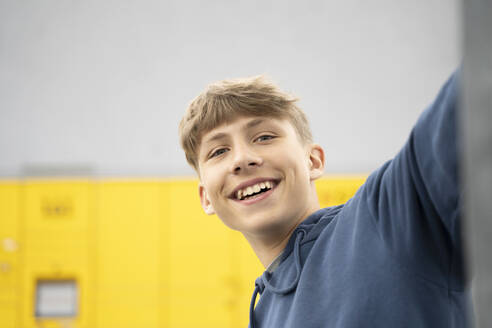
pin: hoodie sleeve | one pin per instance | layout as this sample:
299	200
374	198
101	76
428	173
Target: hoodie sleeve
414	199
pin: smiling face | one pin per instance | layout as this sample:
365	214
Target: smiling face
257	175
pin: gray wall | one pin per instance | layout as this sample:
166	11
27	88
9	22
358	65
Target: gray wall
103	84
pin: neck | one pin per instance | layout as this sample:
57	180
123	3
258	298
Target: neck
267	249
268	246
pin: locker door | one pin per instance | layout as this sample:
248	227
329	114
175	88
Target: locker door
202	280
57	230
9	253
129	260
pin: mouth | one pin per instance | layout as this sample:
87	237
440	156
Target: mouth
254	190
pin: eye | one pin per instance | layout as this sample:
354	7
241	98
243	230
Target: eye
264	137
218	152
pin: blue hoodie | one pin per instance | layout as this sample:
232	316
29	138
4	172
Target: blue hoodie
392	256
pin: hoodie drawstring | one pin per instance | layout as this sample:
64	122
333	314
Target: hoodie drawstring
259	286
262	282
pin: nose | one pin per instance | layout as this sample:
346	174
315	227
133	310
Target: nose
245	159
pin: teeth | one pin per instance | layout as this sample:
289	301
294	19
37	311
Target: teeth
240	194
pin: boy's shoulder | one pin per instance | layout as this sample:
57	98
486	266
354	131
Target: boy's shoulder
319	219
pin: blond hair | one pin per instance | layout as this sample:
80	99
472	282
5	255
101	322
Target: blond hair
223	101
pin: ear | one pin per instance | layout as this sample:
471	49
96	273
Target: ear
205	200
316	161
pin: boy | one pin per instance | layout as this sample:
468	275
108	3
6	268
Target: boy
392	256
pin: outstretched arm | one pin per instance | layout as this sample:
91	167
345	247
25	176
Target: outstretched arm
414	199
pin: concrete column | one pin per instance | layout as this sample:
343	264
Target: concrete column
476	119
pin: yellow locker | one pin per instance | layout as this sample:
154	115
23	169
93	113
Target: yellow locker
201	263
57	273
336	190
9	253
131	253
130	278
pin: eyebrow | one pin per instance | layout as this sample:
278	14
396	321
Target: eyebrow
222	135
254	122
216	136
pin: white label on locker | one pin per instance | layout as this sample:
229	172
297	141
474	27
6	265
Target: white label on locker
56	298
